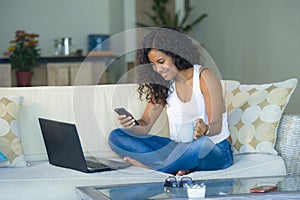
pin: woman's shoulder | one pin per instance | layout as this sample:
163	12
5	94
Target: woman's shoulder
198	69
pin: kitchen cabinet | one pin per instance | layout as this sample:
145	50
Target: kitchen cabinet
62	71
76	73
5	75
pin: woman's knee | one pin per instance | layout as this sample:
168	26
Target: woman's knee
203	146
115	134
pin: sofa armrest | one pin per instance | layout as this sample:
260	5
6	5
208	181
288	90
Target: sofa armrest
288	140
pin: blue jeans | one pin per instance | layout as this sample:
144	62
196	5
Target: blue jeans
166	155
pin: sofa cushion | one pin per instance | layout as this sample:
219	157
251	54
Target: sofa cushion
254	112
10	142
44	181
43	177
247	165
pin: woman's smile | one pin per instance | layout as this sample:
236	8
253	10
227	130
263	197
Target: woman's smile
164	74
162	64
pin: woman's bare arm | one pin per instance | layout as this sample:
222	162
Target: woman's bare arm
149	117
211	89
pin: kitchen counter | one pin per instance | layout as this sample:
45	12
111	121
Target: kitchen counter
100	55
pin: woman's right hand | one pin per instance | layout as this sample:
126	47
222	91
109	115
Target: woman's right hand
126	122
200	129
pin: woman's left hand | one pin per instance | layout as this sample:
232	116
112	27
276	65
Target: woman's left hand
200	128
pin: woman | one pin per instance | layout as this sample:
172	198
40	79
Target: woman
170	77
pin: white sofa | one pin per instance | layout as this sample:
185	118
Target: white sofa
91	107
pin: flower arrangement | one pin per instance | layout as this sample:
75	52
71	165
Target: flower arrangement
23	53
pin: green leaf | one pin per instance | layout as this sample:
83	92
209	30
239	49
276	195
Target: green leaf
142	25
199	19
176	19
153	18
186	15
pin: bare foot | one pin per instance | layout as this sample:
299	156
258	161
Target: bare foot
135	162
182	172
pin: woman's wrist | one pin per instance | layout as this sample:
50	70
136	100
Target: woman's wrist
207	131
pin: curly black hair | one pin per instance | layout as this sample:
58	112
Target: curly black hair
174	44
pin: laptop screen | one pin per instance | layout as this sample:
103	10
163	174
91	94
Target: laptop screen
63	144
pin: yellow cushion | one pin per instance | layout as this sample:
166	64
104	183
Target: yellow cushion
254	112
10	142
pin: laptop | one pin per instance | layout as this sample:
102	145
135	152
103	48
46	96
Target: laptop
64	149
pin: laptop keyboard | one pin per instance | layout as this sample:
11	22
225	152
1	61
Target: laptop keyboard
95	165
93	162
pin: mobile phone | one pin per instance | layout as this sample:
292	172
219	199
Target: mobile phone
123	111
263	189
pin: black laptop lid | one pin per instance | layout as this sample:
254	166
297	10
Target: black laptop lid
63	144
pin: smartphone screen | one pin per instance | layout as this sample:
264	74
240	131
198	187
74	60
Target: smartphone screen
123	111
262	189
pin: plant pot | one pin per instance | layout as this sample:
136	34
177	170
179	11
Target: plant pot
24	78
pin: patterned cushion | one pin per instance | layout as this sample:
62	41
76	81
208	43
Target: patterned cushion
254	112
3	160
10	142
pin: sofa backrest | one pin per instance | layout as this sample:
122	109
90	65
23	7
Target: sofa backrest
89	107
76	104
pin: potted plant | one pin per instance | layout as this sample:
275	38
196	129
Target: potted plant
162	17
23	56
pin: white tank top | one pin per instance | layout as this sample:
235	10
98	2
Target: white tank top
180	112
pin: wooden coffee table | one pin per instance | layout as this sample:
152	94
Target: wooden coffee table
287	187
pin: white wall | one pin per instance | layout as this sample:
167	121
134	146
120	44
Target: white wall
54	19
253	41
